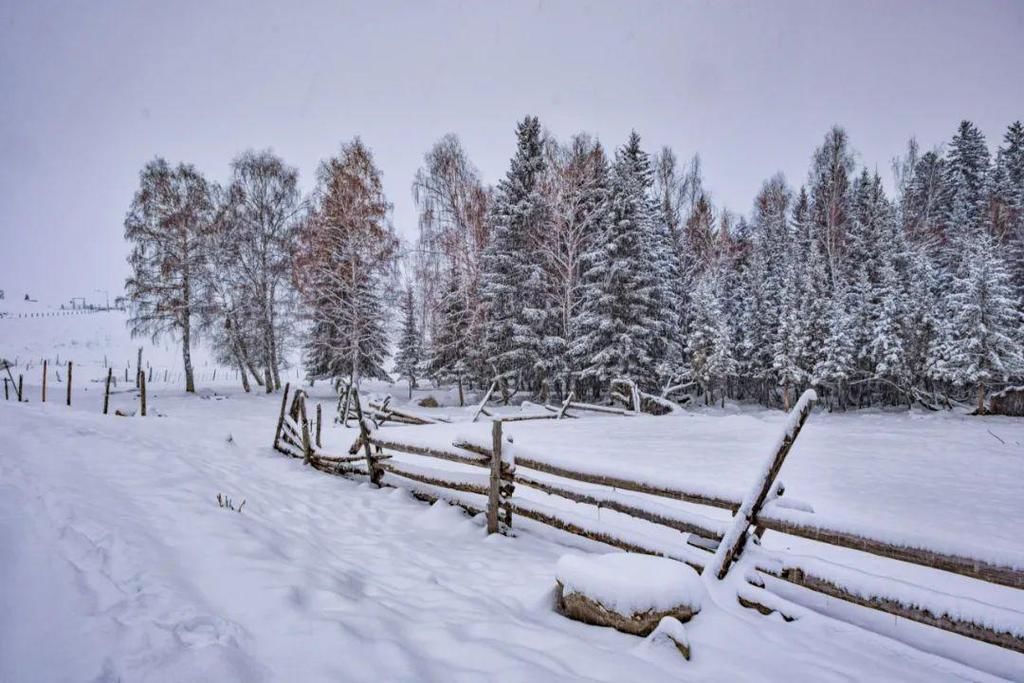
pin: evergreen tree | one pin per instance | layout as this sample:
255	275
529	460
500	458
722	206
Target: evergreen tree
344	265
624	328
979	341
513	280
967	169
410	352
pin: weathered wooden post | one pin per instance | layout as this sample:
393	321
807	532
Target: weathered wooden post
501	485
69	383
736	535
319	421
307	448
280	419
44	381
6	396
21	386
142	392
106	391
371	462
494	489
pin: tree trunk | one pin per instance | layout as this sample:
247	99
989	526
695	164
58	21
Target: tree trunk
268	380
981	398
186	355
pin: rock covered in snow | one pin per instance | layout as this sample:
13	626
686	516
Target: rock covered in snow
627	591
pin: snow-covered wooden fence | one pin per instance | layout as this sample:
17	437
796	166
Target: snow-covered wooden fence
711	544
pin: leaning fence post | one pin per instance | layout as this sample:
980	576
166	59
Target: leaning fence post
69	383
106	391
307	449
736	535
319	421
44	381
371	463
280	419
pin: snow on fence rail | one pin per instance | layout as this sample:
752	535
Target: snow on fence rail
711	545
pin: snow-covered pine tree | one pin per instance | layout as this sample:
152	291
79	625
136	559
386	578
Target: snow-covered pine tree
512	279
344	266
966	180
168	227
979	339
812	318
1009	191
837	364
624	326
409	357
710	344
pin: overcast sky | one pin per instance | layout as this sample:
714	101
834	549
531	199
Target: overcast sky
91	90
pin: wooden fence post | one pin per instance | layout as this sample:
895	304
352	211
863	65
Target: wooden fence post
6	395
142	392
736	535
44	381
501	485
21	386
106	391
280	419
494	490
371	463
69	383
307	448
319	421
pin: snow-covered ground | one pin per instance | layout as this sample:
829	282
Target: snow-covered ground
116	562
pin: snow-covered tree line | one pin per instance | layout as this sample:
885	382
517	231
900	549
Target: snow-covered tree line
582	266
257	269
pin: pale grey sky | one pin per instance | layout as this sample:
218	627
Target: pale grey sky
92	89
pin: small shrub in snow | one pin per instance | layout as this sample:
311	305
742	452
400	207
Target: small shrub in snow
225	502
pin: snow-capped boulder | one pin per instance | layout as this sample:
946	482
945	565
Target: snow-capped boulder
631	593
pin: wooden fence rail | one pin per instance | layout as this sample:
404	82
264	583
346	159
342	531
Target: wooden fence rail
709	544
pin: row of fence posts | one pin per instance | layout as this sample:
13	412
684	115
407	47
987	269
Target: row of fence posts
140	383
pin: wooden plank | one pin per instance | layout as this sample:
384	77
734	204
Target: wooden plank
280	419
614	482
599	409
432	452
565	405
373	471
593	534
483	403
956	564
736	536
921	615
682	525
466	487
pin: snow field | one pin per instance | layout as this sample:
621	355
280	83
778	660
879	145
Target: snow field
114	547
